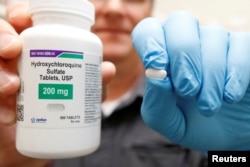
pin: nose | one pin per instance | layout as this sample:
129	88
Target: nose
114	7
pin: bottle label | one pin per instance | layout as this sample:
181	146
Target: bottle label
59	89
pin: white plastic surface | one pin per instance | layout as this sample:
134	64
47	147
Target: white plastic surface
81	8
60	69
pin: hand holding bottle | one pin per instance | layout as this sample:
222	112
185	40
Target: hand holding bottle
10	48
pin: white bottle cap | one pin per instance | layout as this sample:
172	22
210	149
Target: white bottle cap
77	7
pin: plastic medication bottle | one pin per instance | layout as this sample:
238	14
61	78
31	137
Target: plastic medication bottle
58	105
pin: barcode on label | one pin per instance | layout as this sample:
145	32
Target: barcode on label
20	116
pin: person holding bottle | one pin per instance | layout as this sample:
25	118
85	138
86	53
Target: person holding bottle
126	140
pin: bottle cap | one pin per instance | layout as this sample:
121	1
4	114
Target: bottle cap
76	7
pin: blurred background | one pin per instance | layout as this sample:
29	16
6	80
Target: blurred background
160	8
158	11
2	9
232	14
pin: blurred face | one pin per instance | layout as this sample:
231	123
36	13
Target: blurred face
115	20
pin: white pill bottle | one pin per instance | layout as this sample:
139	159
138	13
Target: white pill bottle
58	105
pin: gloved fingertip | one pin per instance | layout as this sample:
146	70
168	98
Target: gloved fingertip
207	113
208	109
229	98
182	14
234	92
188	88
148	40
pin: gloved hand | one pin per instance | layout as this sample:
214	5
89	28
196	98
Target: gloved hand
204	102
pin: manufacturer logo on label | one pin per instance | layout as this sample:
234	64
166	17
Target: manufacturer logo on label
38	120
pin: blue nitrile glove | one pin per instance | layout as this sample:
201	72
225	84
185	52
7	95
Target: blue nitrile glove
204	102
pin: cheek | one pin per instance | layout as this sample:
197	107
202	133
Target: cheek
137	15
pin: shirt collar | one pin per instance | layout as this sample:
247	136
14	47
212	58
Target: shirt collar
109	107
